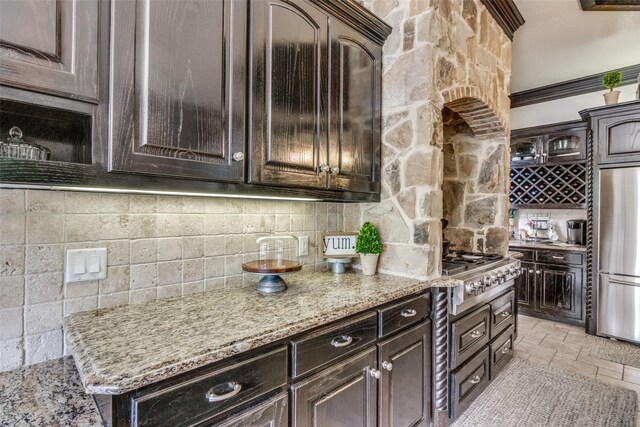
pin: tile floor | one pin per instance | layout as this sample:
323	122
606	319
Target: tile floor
560	345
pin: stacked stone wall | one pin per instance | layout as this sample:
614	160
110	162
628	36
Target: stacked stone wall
441	53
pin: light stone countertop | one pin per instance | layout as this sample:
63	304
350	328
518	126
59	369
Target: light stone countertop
123	348
46	394
555	246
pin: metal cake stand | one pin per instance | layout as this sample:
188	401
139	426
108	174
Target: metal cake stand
271	269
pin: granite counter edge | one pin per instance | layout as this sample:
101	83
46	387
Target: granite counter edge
95	383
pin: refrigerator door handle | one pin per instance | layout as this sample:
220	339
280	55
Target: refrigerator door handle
624	280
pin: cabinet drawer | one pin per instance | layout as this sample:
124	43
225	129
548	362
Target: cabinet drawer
469	381
209	394
326	345
396	316
501	350
502	313
527	255
470	334
557	257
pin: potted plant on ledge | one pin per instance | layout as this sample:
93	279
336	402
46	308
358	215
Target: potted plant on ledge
611	79
369	246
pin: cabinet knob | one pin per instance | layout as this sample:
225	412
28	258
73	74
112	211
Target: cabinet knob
531	271
475	334
408	312
238	156
375	373
538	271
387	365
325	168
335	170
505	350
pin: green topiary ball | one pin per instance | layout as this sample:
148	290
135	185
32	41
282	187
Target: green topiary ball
368	240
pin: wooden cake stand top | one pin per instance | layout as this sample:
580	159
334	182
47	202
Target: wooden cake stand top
271	266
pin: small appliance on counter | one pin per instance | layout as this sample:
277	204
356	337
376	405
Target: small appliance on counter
577	232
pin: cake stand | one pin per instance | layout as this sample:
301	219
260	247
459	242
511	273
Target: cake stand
271	269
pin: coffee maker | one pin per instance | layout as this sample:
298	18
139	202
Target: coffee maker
577	232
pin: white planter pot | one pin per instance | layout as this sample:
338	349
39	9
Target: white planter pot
611	97
369	264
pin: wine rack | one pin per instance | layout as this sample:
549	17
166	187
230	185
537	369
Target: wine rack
563	185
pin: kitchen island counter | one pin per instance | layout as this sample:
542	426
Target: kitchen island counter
123	348
46	394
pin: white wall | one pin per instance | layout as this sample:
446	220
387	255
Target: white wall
564	109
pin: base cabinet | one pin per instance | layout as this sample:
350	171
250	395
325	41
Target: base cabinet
343	395
405	384
553	287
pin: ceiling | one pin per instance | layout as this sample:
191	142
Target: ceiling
560	42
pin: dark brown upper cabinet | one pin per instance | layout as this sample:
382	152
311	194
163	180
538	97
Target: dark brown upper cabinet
616	132
177	93
50	47
315	99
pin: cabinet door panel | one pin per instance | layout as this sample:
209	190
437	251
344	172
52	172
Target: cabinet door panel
559	291
355	104
272	413
177	71
619	139
288	77
405	390
525	286
50	46
343	395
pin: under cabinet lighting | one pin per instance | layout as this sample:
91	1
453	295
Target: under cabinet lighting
152	192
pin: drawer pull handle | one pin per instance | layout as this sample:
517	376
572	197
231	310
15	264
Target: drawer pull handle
375	373
476	334
212	396
341	341
557	257
387	365
474	379
506	350
505	314
408	312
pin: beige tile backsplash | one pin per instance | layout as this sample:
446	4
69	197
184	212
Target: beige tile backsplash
158	247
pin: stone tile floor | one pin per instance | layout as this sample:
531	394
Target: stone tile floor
563	346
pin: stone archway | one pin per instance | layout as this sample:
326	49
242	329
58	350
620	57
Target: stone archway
475	173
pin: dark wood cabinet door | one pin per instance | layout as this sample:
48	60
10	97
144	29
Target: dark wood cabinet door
342	395
272	413
525	285
50	46
559	291
619	138
177	93
355	99
287	119
405	385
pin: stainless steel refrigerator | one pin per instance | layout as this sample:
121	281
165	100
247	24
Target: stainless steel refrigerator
619	254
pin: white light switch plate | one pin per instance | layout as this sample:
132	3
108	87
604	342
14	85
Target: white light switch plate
303	245
85	264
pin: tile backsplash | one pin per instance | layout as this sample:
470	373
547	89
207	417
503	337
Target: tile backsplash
158	247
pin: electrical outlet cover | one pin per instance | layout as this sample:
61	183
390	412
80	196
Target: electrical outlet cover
82	265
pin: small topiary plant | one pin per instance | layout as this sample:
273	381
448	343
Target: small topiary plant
368	240
611	79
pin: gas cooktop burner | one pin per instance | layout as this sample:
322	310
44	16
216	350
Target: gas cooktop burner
459	261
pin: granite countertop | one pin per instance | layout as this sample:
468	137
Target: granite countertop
555	246
46	394
123	348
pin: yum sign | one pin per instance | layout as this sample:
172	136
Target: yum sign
337	245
